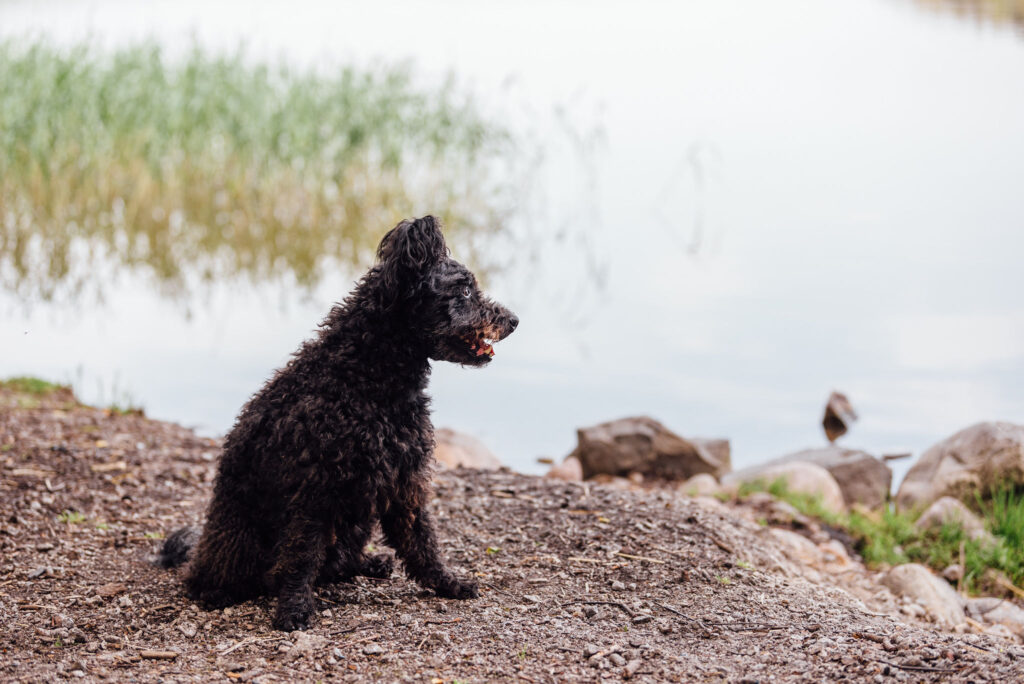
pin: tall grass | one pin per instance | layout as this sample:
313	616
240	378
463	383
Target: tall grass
209	167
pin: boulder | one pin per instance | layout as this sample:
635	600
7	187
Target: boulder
917	583
569	470
701	484
864	479
643	445
980	459
459	450
948	510
801	478
997	611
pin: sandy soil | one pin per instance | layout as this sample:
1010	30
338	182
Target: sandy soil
579	583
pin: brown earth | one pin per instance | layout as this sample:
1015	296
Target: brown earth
579	583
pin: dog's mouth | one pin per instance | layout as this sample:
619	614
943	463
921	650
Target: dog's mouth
478	345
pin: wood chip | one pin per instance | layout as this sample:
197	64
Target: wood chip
158	655
108	467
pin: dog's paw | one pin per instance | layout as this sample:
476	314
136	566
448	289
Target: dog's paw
378	567
289	621
455	588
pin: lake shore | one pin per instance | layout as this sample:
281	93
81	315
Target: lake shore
579	582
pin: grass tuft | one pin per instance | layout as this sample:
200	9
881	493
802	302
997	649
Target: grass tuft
887	537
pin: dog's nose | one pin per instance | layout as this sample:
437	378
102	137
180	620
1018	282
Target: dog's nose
513	321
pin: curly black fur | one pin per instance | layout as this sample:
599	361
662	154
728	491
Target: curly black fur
340	440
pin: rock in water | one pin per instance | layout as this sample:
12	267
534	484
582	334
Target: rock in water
980	459
643	445
863	478
839	414
459	450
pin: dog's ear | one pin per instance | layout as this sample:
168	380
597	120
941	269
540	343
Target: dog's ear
408	251
415	245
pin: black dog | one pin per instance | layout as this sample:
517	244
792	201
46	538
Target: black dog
341	439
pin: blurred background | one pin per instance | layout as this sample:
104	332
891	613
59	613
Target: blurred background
713	213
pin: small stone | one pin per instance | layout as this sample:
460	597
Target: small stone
632	667
954	573
589	650
77	673
338	654
284	646
37	573
631	586
617	659
326	612
642	619
45	546
373	650
590	611
189	629
618	586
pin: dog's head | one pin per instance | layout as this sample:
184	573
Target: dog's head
438	296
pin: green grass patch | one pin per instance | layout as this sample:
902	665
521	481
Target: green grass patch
30	385
71	517
889	537
208	167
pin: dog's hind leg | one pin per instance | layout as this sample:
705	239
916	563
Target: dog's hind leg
298	557
409	529
226	566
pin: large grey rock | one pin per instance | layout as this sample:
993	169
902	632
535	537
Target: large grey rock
800	477
917	583
457	449
643	445
948	510
863	478
997	611
979	459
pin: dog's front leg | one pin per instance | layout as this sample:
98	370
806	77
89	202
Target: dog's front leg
409	529
298	558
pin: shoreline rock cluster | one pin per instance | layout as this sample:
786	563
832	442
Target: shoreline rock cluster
642	453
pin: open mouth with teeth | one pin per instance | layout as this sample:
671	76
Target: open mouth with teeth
478	345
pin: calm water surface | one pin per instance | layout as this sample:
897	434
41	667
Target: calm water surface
740	207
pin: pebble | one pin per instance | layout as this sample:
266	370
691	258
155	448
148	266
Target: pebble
285	646
45	546
632	667
338	654
642	619
618	586
189	629
590	649
590	611
617	659
372	649
37	573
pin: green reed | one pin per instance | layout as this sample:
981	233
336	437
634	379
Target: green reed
207	167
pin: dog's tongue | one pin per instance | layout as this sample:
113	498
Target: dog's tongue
485	349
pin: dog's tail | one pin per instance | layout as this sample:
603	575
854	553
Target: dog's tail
178	547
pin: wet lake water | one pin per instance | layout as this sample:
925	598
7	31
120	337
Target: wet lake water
720	212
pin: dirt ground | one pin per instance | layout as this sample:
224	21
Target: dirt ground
578	583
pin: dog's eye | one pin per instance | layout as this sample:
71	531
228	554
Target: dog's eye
466	292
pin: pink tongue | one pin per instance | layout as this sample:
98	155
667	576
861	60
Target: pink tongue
487	349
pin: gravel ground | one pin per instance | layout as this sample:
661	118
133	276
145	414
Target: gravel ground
578	583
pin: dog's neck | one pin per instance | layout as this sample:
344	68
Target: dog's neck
368	345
